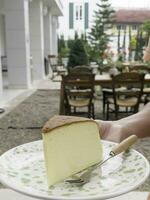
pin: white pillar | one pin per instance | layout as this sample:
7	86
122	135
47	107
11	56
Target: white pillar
2	36
54	35
1	53
17	43
47	33
51	35
1	82
37	38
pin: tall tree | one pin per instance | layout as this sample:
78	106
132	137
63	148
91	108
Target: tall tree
146	28
136	57
99	35
118	49
124	44
130	48
61	43
141	45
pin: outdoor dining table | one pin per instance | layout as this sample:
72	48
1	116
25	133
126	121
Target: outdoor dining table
101	80
131	64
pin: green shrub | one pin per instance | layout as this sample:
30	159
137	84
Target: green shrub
78	55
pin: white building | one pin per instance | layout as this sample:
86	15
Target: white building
78	16
27	28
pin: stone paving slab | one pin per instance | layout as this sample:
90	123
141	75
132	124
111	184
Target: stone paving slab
11	138
34	111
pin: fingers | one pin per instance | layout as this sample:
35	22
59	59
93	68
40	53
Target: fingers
148	197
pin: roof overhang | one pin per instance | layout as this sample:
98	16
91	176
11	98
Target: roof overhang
132	16
56	6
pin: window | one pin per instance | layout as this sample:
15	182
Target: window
118	27
121	27
80	12
77	13
134	27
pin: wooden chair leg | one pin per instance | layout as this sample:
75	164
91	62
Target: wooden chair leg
89	111
107	114
69	110
146	99
116	112
135	109
104	102
93	111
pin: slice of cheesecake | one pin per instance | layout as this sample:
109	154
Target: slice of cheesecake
71	144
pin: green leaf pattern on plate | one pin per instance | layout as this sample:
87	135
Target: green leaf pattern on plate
24	165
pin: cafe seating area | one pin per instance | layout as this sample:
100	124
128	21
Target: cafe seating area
124	92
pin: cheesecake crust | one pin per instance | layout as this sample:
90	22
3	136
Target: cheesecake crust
62	120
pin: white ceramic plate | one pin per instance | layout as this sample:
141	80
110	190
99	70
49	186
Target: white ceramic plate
22	169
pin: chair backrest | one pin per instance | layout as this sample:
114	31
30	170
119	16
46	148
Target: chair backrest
80	70
53	60
127	85
140	68
105	68
78	86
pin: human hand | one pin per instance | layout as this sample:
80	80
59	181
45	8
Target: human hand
113	131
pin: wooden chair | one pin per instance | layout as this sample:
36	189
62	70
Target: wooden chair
83	69
79	93
105	69
140	69
127	91
107	90
53	61
146	88
57	69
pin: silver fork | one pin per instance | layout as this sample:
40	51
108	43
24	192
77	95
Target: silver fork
85	176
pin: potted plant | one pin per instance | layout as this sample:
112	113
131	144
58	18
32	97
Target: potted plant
64	53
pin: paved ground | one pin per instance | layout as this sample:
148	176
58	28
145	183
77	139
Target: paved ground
12	97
